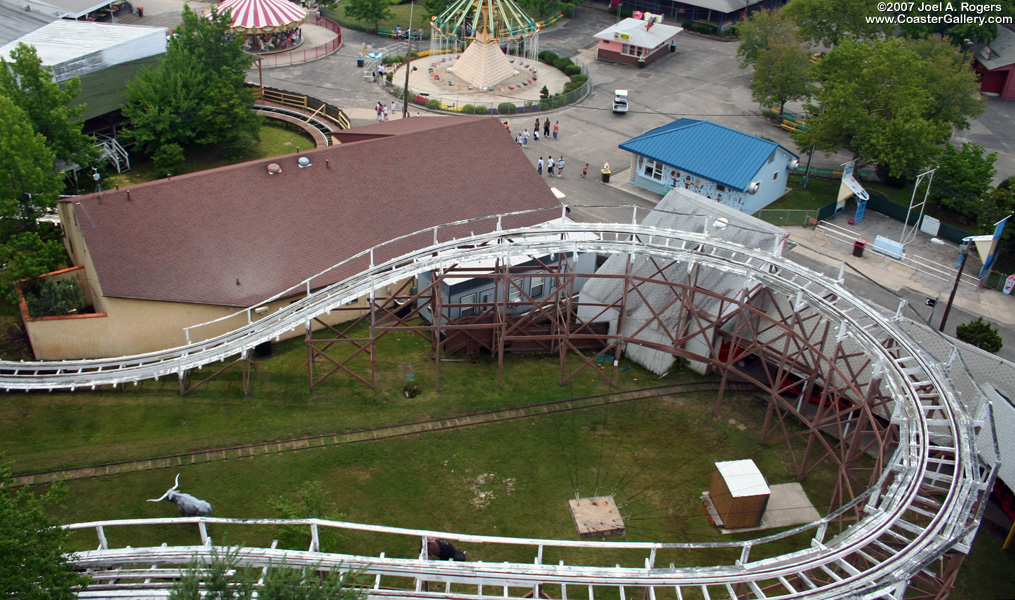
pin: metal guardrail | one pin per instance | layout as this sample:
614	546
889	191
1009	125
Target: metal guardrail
296	57
461	104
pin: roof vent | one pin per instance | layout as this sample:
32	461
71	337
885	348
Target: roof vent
793	164
274	169
753	187
304	162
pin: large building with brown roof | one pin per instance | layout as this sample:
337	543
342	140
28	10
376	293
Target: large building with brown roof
157	257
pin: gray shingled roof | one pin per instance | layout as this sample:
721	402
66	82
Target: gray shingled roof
684	210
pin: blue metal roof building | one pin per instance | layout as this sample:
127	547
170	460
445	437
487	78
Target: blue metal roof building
723	164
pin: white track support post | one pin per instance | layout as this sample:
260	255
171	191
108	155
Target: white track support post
315	540
103	544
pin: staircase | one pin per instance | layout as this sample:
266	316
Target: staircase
113	152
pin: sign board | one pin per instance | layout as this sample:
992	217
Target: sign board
849	187
930	225
994	248
1009	284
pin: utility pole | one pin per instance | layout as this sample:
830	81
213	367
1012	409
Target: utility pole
408	61
963	254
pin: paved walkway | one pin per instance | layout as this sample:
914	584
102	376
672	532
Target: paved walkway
701	80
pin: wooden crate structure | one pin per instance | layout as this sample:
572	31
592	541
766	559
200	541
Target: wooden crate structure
739	493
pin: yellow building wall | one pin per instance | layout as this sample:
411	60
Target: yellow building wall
137	326
123	327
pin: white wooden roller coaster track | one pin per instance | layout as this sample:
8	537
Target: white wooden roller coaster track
897	536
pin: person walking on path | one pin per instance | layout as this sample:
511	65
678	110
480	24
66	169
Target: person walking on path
539	166
525	138
585	171
556	129
535	129
549	166
518	140
560	167
546	127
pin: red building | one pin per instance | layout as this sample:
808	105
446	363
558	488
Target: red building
994	63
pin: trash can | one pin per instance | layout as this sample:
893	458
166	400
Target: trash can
359	62
673	46
606	175
858	247
140	11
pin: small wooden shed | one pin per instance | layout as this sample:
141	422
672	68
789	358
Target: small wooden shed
739	493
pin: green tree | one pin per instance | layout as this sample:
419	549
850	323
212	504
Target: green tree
981	334
28	186
544	8
873	101
369	11
830	23
435	7
32	545
31	87
996	205
953	85
962	178
763	29
309	501
197	94
781	74
957	33
169	159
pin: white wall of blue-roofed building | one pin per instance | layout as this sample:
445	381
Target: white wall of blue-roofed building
772	178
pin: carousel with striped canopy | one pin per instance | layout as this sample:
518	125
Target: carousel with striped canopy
267	25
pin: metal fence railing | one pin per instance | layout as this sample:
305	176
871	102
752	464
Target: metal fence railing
296	57
464	105
788	217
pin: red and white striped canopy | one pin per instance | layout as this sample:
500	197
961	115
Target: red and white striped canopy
262	16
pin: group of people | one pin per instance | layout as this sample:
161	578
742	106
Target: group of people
270	42
550	165
407	33
523	137
546	127
382	110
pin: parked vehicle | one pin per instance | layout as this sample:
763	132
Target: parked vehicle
620	101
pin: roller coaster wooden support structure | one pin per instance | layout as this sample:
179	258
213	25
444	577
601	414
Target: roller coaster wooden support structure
847	388
245	360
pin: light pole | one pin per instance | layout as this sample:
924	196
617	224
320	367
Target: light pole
963	254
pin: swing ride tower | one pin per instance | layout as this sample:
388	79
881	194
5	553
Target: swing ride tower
491	30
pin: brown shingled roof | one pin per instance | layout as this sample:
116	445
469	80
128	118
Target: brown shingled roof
236	235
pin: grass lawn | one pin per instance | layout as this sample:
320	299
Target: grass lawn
276	140
399	18
509	478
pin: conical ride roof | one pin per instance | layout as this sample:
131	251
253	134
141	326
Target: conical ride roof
262	16
483	63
